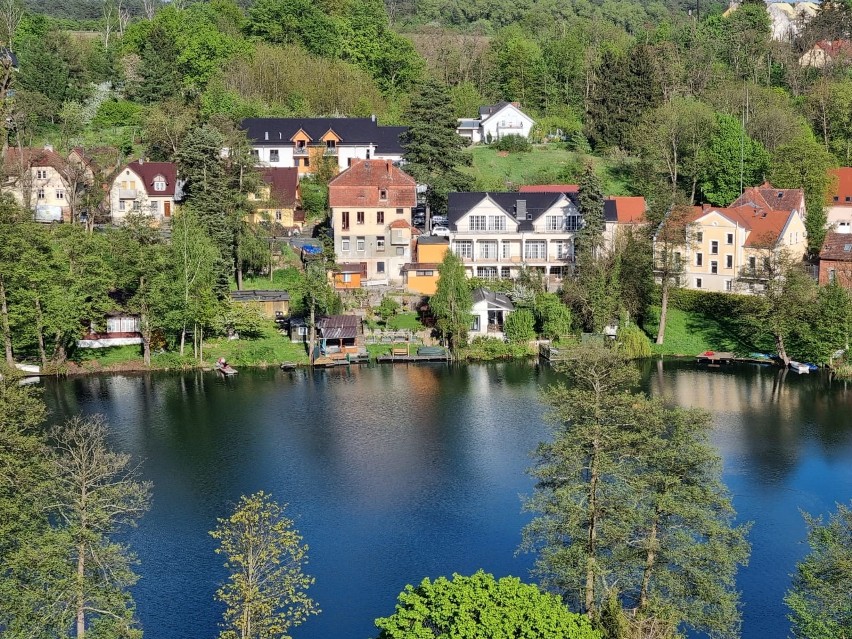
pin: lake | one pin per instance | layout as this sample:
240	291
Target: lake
393	473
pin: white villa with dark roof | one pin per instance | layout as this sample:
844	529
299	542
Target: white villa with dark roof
496	121
301	142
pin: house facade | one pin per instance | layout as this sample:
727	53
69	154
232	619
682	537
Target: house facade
496	121
421	275
495	234
725	248
149	188
278	198
489	312
118	329
35	179
371	204
302	143
839	205
620	214
273	304
835	259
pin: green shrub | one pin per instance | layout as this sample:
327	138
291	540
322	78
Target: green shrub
488	348
513	144
633	342
519	326
554	317
388	308
114	113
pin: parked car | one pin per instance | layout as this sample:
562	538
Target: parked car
418	219
439	220
442	231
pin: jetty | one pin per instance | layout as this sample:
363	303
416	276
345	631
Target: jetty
715	358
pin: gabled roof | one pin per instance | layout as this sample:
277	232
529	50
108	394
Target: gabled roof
843	188
361	184
150	170
768	197
490	110
283	184
837	246
339	326
835	48
550	188
765	226
400	224
352	131
492	299
625	210
31	158
536	204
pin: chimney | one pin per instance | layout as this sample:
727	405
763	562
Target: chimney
141	160
48	147
373	117
388	165
521	209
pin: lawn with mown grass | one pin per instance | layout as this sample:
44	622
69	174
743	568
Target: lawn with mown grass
545	164
689	333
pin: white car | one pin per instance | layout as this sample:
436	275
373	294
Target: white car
442	231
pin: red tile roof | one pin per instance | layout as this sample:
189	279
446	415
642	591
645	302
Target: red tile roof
842	193
770	198
549	188
835	48
764	226
837	246
283	184
150	170
361	185
32	158
629	210
400	224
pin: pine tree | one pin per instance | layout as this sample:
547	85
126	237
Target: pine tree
433	149
158	67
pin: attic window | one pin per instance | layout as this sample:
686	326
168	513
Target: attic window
383	194
159	183
849	198
847	247
836	198
780	194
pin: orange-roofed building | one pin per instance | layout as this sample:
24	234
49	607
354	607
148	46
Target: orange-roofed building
835	259
371	205
620	213
726	246
840	199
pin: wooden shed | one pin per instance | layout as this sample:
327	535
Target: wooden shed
275	304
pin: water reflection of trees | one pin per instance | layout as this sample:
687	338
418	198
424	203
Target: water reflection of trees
765	416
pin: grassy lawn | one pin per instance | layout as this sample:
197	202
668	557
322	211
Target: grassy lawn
693	333
545	164
93	358
270	349
405	322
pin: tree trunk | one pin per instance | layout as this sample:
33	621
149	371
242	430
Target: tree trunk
7	334
593	532
200	343
239	275
81	595
664	309
40	332
59	354
312	338
182	339
782	352
650	559
146	346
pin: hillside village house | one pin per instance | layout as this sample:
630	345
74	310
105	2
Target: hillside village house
489	312
494	234
839	205
835	258
149	188
35	179
496	121
826	53
786	19
421	275
725	247
302	142
371	205
278	198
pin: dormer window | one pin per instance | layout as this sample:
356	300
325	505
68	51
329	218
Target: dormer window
383	194
159	183
331	144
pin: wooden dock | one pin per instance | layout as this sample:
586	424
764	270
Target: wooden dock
715	358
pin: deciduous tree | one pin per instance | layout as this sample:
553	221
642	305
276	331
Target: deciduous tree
452	302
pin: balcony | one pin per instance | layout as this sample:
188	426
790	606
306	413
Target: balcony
300	151
126	194
330	150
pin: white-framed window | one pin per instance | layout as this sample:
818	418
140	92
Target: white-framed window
383	194
346	278
255	153
562	250
303	330
505	272
832	276
121	205
400	250
714	247
159	183
40	194
488	250
507	250
273	155
464	249
714	266
425	273
496	222
698	282
60	194
380	217
729	285
487	272
380	243
344	244
729	238
41	174
359	217
699	259
554	222
535	250
360	243
278	216
477	223
474	325
729	261
573	222
699	237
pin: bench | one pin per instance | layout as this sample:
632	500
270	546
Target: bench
399	351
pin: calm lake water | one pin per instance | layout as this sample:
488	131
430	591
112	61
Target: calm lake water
396	473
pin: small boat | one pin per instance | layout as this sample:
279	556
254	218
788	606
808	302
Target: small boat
799	367
28	368
288	366
224	367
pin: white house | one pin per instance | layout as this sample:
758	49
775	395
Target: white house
489	312
302	142
145	187
496	121
35	179
495	234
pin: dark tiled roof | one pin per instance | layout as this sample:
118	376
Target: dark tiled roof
421	266
339	326
260	296
360	131
149	170
837	246
348	267
490	109
536	204
493	299
283	183
432	239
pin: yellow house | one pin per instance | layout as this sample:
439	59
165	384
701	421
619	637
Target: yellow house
278	199
725	248
421	276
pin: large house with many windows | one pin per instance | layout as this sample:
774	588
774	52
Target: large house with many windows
371	205
303	142
148	188
495	234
